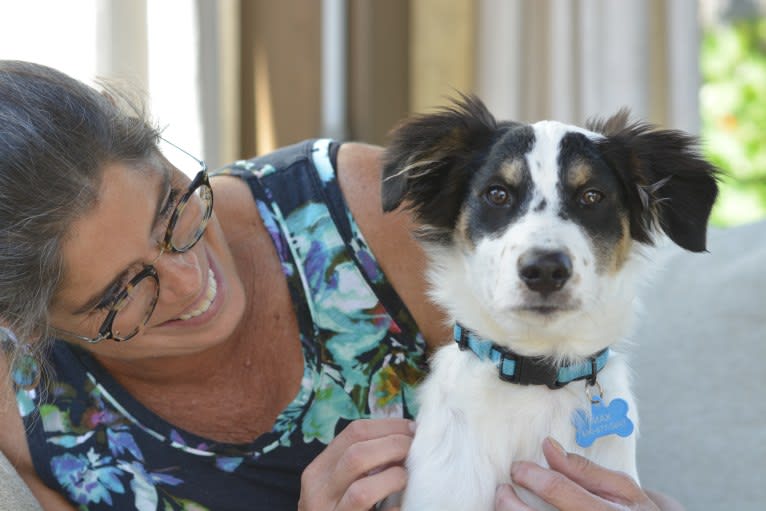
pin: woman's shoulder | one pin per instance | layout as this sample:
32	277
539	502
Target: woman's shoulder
238	185
235	208
389	236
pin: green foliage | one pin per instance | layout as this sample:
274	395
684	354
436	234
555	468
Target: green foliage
733	104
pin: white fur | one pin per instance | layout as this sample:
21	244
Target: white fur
472	425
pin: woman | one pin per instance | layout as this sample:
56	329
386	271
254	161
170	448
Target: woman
209	354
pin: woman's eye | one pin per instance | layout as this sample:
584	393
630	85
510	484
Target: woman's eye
109	299
591	197
498	195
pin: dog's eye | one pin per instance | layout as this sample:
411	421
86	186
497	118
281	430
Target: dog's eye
498	195
591	197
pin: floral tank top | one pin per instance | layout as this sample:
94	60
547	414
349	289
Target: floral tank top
95	444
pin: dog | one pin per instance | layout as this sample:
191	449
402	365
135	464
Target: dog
537	237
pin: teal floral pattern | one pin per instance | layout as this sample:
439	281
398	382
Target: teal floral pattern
363	357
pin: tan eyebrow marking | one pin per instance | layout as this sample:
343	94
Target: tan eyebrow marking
578	174
513	171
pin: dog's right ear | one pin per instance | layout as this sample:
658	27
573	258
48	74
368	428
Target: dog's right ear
431	156
668	183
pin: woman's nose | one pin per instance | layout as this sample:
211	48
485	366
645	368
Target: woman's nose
180	275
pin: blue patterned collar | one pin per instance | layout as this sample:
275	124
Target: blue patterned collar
515	368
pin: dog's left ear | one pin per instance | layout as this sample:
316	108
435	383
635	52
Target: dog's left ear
667	182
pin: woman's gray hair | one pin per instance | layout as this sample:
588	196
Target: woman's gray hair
56	136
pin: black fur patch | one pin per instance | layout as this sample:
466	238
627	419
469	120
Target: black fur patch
600	220
484	218
430	160
437	164
667	183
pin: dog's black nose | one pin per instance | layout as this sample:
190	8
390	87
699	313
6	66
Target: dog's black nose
544	271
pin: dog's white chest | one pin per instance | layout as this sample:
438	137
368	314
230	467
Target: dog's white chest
472	426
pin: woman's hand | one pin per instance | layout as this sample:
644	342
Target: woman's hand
574	483
360	467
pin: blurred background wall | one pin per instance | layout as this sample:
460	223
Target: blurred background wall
235	78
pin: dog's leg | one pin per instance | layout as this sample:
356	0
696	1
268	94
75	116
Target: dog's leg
615	453
447	469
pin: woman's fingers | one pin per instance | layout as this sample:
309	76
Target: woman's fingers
359	464
367	429
364	493
556	489
369	456
574	483
610	484
507	500
665	502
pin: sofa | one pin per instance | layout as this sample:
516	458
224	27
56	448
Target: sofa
699	358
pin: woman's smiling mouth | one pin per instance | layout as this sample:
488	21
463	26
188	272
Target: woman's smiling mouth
210	294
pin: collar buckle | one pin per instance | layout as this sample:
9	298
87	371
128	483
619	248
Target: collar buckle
461	337
529	371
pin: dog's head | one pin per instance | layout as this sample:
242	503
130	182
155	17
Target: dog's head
537	227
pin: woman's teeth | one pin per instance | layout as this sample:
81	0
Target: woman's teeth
212	288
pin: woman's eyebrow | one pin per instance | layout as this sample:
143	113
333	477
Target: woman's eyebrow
96	298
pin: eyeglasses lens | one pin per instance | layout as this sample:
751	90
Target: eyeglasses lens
192	219
134	310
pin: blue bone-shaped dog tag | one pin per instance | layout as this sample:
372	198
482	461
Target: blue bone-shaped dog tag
603	421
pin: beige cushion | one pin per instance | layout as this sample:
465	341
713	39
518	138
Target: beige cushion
700	374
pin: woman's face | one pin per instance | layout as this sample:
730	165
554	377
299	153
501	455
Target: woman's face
201	296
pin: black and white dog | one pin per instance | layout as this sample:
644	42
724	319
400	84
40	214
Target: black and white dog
536	237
